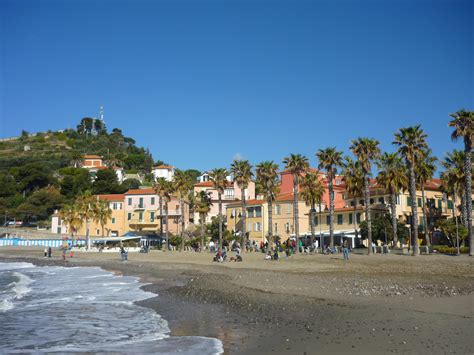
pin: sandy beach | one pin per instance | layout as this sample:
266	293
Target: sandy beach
305	305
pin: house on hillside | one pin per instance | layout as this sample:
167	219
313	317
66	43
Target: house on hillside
164	171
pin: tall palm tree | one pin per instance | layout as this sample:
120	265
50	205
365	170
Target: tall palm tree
354	184
330	160
297	165
203	206
463	123
267	182
392	178
450	186
102	213
454	164
86	203
161	187
69	214
242	171
411	142
312	191
220	182
366	150
424	171
182	185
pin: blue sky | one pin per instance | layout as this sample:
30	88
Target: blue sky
200	82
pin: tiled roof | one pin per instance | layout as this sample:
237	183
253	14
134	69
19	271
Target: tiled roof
111	197
91	157
141	192
168	167
210	184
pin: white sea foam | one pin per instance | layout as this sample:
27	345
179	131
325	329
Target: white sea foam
84	310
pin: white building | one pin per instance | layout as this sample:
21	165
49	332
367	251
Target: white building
163	171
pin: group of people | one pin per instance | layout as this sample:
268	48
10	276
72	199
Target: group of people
221	255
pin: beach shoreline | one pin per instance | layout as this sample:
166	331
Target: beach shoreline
308	304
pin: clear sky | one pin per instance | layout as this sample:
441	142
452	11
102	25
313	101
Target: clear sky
201	82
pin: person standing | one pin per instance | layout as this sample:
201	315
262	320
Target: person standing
345	249
49	252
45	252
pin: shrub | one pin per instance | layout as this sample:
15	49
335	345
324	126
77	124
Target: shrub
450	250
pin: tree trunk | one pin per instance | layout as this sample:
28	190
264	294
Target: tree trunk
88	239
313	209
354	220
393	207
270	223
321	241
220	220
166	226
201	220
368	217
161	216
463	207
457	228
425	220
181	205
468	189
331	211
295	213
244	219
414	211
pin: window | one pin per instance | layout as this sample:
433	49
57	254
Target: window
351	219
440	203
397	199
287	227
258	227
288	208
249	227
352	203
152	216
140	216
129	201
408	200
114	206
258	211
381	200
113	220
277	209
316	220
371	201
129	216
419	202
276	227
358	217
232	213
140	204
361	202
152	200
249	212
98	232
229	193
328	220
450	204
340	219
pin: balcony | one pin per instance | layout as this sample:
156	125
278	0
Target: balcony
143	222
171	213
139	207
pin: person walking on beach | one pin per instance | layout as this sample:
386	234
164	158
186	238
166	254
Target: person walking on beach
45	252
49	252
345	250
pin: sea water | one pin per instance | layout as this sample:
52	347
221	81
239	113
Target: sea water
83	309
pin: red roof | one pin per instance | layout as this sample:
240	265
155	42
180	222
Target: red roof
111	197
140	192
92	157
168	167
210	184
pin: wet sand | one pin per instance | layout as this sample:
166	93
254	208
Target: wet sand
307	304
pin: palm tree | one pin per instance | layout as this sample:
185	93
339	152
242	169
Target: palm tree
424	171
297	165
354	183
86	203
393	178
366	150
454	164
312	191
69	214
330	160
463	123
182	185
267	181
203	206
102	213
411	142
220	182
160	187
242	171
450	186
